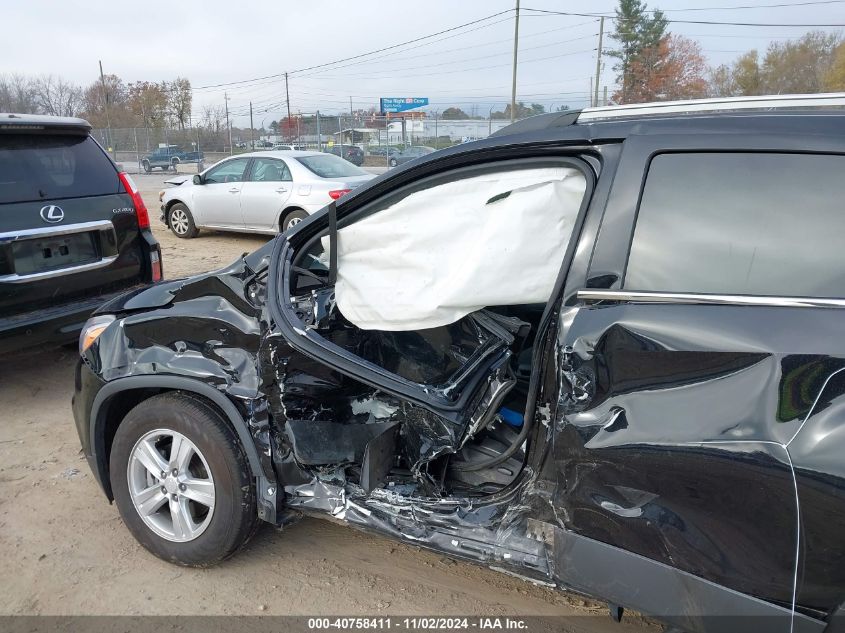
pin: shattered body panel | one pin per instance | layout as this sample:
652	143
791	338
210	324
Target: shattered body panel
683	459
681	441
214	329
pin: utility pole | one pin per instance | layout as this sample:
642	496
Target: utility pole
351	113
604	98
598	62
287	100
228	126
106	108
251	127
319	138
515	51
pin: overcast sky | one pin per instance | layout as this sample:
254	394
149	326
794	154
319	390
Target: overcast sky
212	42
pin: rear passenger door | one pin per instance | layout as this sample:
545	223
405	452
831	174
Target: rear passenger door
265	193
710	319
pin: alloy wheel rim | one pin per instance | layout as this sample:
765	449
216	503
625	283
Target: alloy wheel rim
179	221
171	485
293	222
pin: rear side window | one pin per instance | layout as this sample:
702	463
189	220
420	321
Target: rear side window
741	223
330	166
269	170
36	167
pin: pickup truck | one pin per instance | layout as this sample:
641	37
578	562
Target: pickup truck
168	157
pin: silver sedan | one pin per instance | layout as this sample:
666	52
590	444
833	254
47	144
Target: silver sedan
258	192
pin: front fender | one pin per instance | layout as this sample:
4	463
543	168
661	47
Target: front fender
199	335
261	470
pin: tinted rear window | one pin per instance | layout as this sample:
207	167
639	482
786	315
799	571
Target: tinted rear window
331	166
45	167
745	224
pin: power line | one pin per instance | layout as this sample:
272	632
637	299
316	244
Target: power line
463	48
714	22
274	79
751	6
379	50
391	56
463	70
243	89
471	59
344	91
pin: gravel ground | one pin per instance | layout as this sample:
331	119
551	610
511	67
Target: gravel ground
65	550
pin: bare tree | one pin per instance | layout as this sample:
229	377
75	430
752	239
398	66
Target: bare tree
17	94
57	97
720	82
213	118
179	100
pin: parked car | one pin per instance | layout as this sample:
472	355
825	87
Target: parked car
410	153
382	150
74	231
169	157
600	350
288	146
352	153
264	192
261	144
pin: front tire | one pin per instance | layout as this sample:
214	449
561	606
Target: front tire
174	164
181	481
393	162
145	164
181	222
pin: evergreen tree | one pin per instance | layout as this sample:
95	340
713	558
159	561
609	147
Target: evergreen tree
638	30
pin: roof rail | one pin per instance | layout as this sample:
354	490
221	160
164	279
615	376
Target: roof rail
713	105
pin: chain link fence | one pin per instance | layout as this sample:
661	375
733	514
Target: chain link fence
379	137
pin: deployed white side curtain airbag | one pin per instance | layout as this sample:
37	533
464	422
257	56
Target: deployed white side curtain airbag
444	252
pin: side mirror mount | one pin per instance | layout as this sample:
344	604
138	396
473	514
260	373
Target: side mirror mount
197	179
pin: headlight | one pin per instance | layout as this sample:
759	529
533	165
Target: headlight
161	195
92	330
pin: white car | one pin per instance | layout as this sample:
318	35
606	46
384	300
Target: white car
258	192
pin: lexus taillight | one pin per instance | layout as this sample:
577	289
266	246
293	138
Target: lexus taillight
140	208
337	193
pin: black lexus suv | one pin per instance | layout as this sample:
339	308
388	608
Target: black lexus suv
660	423
74	231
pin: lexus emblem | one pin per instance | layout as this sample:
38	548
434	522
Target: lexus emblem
52	214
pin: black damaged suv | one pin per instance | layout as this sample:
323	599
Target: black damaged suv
74	231
664	430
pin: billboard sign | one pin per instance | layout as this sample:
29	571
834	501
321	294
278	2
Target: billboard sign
401	104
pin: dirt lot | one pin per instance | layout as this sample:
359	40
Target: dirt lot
65	550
